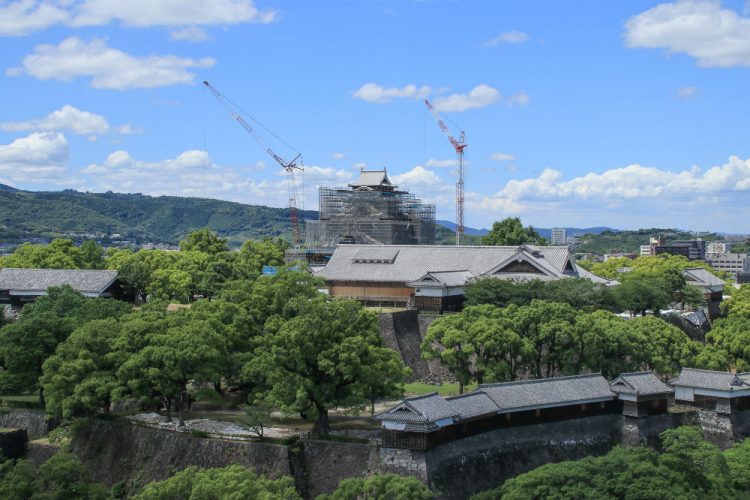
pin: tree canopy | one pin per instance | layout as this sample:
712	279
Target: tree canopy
511	232
380	487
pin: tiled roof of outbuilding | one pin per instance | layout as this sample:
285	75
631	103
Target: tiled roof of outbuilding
714	380
473	404
547	392
39	280
640	383
427	408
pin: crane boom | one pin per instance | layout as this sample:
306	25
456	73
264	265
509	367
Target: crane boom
289	166
458	145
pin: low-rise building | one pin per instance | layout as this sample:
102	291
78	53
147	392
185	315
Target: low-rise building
559	236
642	393
426	421
690	249
20	286
734	263
431	277
723	392
711	285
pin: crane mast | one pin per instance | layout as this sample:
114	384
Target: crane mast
458	145
289	166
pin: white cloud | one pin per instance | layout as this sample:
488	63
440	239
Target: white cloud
25	16
338	156
714	36
633	182
519	99
142	13
374	93
360	165
66	118
507	37
107	67
37	158
128	129
502	157
686	93
189	34
433	163
184	176
478	97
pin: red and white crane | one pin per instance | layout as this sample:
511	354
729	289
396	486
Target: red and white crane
289	166
459	145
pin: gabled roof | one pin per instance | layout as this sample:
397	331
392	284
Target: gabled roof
372	179
427	408
413	262
639	383
443	279
29	281
559	391
700	277
713	380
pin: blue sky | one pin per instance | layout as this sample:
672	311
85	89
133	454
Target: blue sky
623	113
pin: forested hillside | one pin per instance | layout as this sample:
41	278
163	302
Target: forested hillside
166	219
630	241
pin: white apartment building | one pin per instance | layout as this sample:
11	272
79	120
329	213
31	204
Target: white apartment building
730	262
559	236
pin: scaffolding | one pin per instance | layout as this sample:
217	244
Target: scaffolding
377	214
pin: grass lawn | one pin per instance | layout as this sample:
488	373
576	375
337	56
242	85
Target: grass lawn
362	422
26	398
418	388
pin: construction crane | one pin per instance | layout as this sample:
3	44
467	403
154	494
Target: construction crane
289	166
459	145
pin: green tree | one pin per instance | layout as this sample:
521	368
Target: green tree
204	240
255	254
232	482
737	457
384	376
731	336
638	293
16	479
170	285
59	254
63	476
665	347
548	326
191	348
79	379
380	487
317	358
92	255
510	232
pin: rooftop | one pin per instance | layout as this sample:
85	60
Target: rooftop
639	383
86	281
372	179
407	263
713	380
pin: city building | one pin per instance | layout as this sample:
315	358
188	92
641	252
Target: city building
559	236
734	263
717	247
691	249
432	277
370	211
650	249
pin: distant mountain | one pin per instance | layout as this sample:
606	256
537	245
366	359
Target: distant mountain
3	187
26	215
467	230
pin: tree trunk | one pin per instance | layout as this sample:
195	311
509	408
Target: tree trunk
321	423
41	397
168	406
372	407
180	407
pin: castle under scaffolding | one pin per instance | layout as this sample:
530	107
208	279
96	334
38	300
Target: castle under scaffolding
371	211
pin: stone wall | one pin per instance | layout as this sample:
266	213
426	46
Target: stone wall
34	421
116	451
403	332
325	463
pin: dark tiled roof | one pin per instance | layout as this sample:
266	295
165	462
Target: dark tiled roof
640	383
548	392
407	263
700	277
473	404
427	408
39	280
714	380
